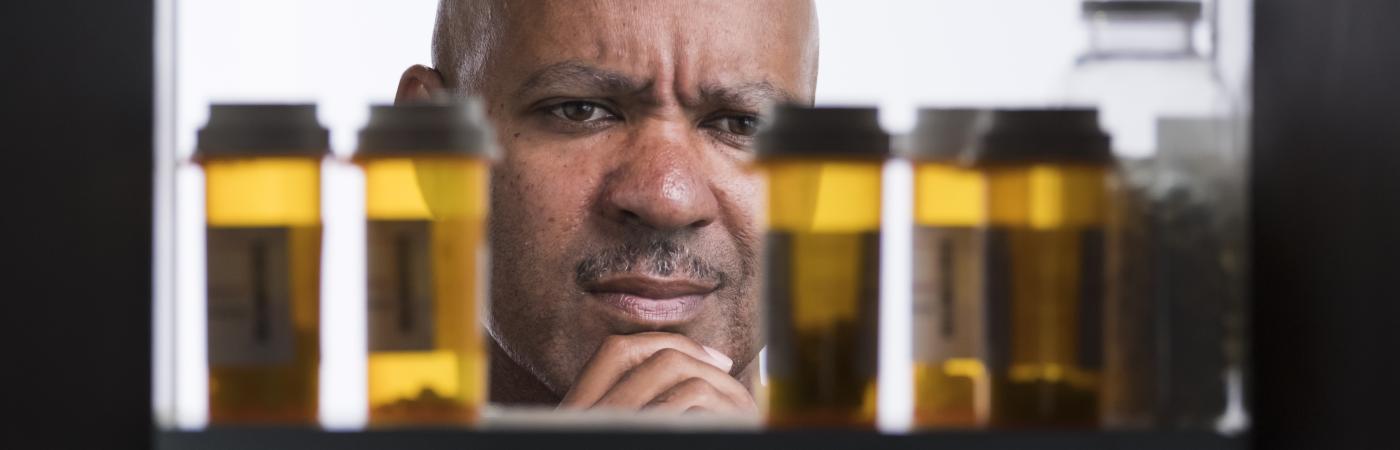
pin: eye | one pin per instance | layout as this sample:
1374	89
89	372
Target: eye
579	111
741	125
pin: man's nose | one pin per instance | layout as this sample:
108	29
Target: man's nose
660	182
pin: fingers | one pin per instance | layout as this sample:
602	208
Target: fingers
697	394
619	354
676	380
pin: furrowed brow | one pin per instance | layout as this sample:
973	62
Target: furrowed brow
575	76
754	95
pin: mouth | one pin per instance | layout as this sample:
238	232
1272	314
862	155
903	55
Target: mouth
651	302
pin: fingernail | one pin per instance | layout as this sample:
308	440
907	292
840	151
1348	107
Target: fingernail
725	362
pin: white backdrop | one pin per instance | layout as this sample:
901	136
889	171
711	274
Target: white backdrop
347	54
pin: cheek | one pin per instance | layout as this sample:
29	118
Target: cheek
541	202
753	188
745	199
542	199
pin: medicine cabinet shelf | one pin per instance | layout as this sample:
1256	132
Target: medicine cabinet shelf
276	439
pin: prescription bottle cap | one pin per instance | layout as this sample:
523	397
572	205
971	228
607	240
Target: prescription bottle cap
239	130
945	134
452	128
1070	135
824	132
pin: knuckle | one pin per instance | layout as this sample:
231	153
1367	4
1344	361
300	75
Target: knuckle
697	388
670	356
696	383
693	391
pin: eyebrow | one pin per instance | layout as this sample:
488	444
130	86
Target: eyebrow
753	95
576	76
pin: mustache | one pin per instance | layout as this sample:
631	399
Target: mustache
659	257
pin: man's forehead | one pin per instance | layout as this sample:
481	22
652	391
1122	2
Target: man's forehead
648	12
582	78
765	47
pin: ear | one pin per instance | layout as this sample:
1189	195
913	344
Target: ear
418	84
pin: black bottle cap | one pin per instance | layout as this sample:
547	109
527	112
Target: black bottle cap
945	134
244	130
1044	135
823	132
457	128
1189	9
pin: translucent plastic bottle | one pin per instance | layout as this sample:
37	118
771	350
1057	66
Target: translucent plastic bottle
1176	321
951	385
1049	177
822	264
262	170
426	194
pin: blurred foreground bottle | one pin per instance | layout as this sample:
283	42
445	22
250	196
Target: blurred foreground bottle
1175	323
1049	177
822	264
951	386
262	171
426	186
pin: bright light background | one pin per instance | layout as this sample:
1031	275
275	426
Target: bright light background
347	54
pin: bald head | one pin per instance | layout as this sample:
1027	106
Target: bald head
468	32
465	32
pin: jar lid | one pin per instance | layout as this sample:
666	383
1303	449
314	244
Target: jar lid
455	128
823	132
945	134
1070	135
262	130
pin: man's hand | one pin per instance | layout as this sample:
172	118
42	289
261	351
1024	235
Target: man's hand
659	371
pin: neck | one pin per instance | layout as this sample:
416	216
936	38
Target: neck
513	385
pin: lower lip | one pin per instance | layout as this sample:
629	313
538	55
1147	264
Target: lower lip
653	310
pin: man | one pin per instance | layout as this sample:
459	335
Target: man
625	219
